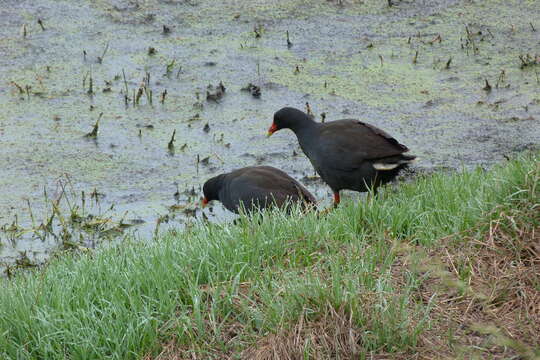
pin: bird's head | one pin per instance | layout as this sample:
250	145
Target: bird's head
288	118
211	189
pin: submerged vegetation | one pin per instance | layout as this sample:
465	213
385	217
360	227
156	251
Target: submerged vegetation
71	221
445	266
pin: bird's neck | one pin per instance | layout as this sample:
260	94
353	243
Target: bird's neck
220	186
308	136
304	126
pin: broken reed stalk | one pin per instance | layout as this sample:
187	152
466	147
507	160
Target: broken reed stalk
138	96
289	43
169	68
501	79
470	37
163	95
94	133
147	90
448	63
100	58
85	76
21	90
170	145
125	82
487	87
90	85
31	213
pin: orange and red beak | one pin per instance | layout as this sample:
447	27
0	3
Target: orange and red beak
272	129
204	202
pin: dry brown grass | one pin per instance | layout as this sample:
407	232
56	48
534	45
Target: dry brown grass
225	342
331	336
487	293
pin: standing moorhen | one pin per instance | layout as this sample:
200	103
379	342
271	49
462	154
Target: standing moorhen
347	154
256	188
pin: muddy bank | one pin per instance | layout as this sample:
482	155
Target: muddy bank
456	81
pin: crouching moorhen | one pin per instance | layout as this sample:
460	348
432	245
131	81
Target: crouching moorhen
256	188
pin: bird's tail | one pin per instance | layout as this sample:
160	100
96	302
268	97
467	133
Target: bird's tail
392	162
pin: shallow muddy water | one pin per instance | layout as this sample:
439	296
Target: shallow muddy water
417	69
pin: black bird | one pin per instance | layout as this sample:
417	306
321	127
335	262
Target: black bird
347	154
256	188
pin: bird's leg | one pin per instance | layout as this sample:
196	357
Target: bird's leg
336	199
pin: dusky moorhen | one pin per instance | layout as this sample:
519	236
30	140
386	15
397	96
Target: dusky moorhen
254	188
347	154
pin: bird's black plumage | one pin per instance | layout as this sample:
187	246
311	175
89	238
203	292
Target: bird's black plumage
347	154
256	187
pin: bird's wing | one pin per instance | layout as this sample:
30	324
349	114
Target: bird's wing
345	144
272	187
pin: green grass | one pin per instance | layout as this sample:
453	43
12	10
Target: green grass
258	277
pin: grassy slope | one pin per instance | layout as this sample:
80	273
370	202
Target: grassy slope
223	290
